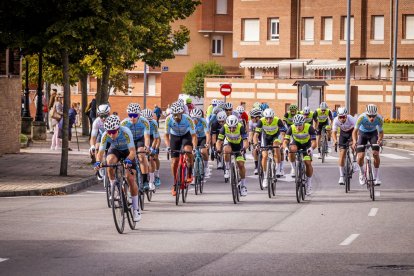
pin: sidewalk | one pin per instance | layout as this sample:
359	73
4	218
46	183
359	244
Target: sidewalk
401	141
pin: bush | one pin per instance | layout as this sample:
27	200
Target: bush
396	121
23	139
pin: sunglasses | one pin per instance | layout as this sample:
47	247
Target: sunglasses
342	117
132	115
103	116
112	131
298	125
372	116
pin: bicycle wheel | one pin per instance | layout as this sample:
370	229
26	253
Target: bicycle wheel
371	181
347	173
178	185
269	177
184	185
274	180
304	180
323	147
260	170
128	206
118	208
149	194
197	175
298	182
233	184
107	186
201	182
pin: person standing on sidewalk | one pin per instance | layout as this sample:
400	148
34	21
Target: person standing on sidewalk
90	111
157	112
57	109
51	103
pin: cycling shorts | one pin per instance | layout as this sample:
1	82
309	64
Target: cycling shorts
303	147
178	142
237	147
364	138
344	138
121	155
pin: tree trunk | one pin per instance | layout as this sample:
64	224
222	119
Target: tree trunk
66	105
98	95
105	84
84	90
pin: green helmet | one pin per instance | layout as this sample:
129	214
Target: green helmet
188	100
293	107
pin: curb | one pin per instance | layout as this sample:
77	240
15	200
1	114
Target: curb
399	145
66	189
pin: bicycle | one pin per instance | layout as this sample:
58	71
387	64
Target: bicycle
369	179
198	171
324	144
349	167
300	176
121	201
234	176
141	191
181	184
271	170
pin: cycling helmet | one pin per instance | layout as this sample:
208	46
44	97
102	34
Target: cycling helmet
133	108
256	105
306	110
112	123
214	102
221	116
342	111
217	109
323	105
147	113
293	107
103	109
264	106
232	121
181	101
228	106
188	100
268	113
177	108
220	104
196	113
256	112
240	109
371	109
298	120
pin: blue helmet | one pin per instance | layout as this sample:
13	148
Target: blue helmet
264	106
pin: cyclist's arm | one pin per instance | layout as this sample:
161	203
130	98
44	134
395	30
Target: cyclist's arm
94	134
334	130
355	136
194	140
147	140
281	129
167	140
287	138
312	134
244	135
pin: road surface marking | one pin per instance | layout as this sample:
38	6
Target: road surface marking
377	193
393	156
3	259
94	192
349	240
254	176
373	212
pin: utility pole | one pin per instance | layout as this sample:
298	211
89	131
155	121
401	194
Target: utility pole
394	63
145	85
348	54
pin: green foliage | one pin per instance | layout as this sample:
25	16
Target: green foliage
23	139
398	128
194	80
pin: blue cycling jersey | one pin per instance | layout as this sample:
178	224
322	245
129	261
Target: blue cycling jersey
139	129
201	127
179	129
211	120
363	124
154	129
123	141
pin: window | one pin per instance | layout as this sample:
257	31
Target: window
258	73
308	28
327	28
273	29
183	51
377	29
151	85
221	7
251	30
408	26
344	28
217	45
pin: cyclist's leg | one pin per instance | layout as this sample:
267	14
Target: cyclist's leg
111	159
188	146
175	144
375	153
240	159
318	136
227	150
276	151
360	149
293	148
344	137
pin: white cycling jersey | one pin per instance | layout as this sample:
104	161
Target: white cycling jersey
97	127
348	125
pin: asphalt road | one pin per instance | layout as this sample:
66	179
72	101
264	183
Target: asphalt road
331	233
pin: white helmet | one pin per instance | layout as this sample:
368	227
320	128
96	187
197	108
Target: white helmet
240	109
306	110
228	106
298	120
133	108
221	116
232	121
342	111
217	109
371	109
268	113
112	123
196	113
256	112
181	101
147	113
323	105
177	108
214	102
103	109
220	104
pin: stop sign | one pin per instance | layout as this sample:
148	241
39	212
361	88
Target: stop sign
225	89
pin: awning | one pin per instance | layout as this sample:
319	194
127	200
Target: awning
295	61
386	62
260	63
312	83
327	64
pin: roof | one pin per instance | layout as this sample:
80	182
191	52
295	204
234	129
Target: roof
311	83
327	64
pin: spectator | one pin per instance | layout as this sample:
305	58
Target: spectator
90	111
157	111
57	108
72	120
78	121
51	103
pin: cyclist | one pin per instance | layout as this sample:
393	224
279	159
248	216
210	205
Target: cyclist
303	137
243	114
98	129
120	142
369	127
272	129
228	107
308	114
255	115
155	142
322	117
140	129
180	133
264	106
210	107
189	104
288	118
214	131
203	136
345	123
236	136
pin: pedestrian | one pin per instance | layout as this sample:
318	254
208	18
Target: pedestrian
78	121
56	114
90	111
157	111
72	120
51	103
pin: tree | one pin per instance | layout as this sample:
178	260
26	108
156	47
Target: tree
194	80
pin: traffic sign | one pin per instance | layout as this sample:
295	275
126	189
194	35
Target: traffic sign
225	89
306	91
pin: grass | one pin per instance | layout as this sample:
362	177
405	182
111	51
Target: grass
392	128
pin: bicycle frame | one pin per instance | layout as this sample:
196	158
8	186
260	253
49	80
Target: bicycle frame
369	179
198	171
234	176
181	185
270	170
301	177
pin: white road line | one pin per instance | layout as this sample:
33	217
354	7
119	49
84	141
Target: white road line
349	240
377	193
373	212
94	192
3	259
393	156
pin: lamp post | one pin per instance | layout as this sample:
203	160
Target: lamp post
145	85
39	104
348	54
26	109
394	63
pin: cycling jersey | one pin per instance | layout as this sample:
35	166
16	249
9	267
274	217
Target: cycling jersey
234	137
209	110
302	137
288	118
309	118
97	127
179	128
322	117
252	126
154	133
270	129
123	141
201	127
215	128
139	129
347	126
364	125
